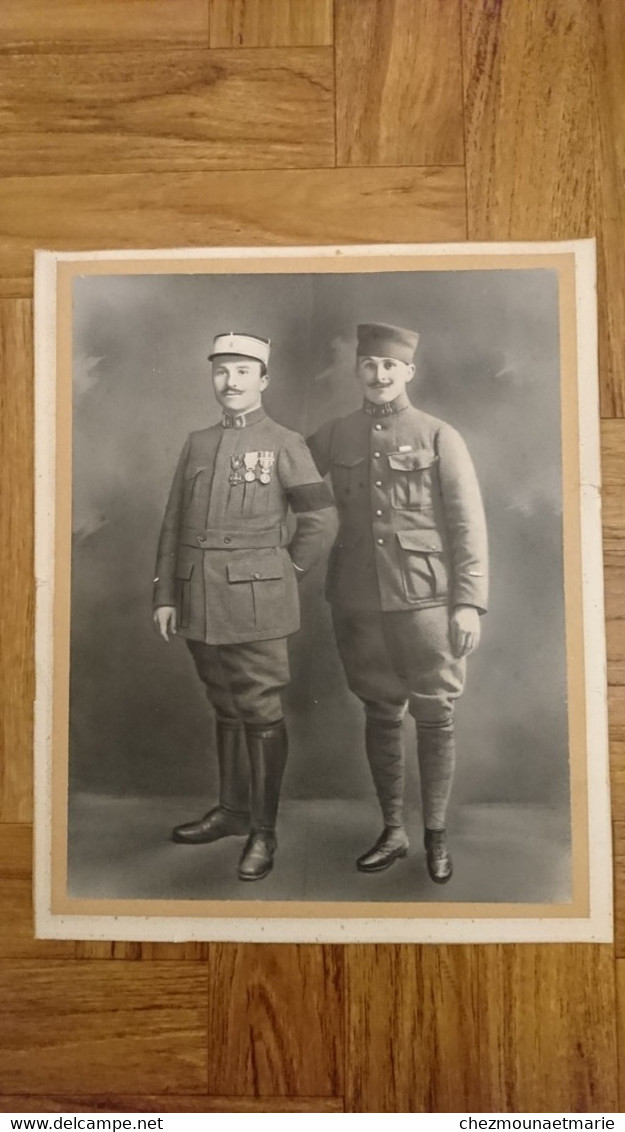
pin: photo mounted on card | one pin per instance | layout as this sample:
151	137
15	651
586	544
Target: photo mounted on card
320	640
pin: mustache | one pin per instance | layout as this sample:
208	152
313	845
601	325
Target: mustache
379	384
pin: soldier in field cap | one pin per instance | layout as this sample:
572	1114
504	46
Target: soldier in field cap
226	580
407	582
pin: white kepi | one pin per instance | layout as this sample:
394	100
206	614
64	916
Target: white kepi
247	345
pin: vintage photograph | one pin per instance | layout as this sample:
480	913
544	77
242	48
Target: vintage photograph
319	633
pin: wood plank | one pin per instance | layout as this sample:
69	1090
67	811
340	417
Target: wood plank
125	949
548	1033
137	111
528	119
270	23
17	589
69	1026
106	1103
614	576
613	455
613	521
275	1020
16	920
617	755
612	512
609	114
66	25
620	983
398	82
619	888
412	1029
196	209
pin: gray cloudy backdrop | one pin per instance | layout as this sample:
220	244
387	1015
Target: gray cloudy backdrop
487	363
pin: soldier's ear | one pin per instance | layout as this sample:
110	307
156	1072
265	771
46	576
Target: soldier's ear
264	381
413	370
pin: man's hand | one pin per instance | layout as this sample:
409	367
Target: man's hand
464	629
165	620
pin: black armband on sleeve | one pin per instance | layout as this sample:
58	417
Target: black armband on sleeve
310	497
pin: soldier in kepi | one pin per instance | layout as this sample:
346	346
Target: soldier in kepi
407	582
226	573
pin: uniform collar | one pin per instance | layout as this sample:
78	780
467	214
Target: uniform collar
387	410
242	420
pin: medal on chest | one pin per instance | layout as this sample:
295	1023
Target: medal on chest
250	459
248	467
236	475
266	461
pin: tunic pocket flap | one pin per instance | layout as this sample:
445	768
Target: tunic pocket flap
185	562
421	542
254	569
411	461
193	471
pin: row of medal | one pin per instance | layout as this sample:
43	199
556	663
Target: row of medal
250	466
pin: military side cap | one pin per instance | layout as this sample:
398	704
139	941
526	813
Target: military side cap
379	340
246	345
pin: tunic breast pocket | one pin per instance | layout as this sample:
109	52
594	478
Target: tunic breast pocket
412	480
348	479
192	480
255	498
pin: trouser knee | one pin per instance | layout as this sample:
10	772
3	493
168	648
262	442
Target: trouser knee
384	714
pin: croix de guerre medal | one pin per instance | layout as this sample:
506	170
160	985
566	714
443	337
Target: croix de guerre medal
236	475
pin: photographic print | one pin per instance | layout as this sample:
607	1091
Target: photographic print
320	643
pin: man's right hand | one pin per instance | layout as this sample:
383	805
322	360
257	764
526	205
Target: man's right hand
165	620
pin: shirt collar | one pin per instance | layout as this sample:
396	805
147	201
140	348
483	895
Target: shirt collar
242	420
388	409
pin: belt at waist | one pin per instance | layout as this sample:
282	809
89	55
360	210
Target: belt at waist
233	540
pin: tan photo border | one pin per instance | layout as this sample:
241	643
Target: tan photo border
580	492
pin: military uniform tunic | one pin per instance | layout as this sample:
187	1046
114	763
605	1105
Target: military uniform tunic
227	555
411	546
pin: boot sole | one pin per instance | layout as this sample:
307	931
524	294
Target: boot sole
257	876
399	856
204	840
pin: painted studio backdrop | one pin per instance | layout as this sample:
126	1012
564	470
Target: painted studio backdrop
142	753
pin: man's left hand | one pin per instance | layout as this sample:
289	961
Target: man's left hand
464	629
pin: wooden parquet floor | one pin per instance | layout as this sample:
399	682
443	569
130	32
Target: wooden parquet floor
175	122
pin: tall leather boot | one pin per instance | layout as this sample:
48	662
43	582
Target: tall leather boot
384	747
268	749
437	762
231	818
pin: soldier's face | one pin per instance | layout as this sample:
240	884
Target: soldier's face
238	382
383	379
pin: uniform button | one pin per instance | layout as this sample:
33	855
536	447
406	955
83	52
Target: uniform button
256	577
377	427
379	512
378	483
376	455
227	539
380	542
